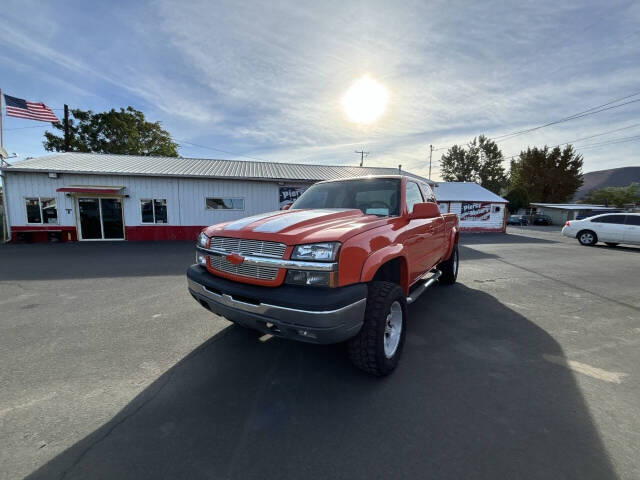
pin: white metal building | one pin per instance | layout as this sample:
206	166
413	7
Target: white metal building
87	196
561	212
478	209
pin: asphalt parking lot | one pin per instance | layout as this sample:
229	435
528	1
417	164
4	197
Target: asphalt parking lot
527	368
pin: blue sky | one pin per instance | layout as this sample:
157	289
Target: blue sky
265	79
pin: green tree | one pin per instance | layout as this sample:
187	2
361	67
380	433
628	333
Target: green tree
518	198
547	175
480	162
124	132
618	196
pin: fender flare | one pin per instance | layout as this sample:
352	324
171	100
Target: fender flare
382	256
454	237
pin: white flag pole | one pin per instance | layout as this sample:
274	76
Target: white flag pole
1	132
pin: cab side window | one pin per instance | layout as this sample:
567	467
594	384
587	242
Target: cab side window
633	220
413	195
427	191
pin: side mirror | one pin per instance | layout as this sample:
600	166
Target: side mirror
425	210
286	207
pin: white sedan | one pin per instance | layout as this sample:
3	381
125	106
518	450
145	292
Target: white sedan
610	228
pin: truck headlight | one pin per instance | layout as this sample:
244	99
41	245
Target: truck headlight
320	252
203	240
311	278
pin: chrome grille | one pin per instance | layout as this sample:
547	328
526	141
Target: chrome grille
244	246
222	264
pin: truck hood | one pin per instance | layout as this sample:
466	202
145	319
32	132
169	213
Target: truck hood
293	227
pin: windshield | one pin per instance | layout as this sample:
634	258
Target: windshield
373	196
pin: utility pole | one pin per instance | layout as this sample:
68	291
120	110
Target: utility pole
362	155
430	155
67	140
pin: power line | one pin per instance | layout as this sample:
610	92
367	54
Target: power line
22	128
566	119
584	113
610	142
584	138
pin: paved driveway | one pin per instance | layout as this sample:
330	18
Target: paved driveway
527	368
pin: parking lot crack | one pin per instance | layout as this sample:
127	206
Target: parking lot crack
570	285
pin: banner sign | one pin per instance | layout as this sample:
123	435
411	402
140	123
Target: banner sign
290	194
475	212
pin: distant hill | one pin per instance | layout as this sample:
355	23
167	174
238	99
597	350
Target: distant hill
614	177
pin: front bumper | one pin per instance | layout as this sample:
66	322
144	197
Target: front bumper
309	314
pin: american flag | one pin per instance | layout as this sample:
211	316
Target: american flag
17	107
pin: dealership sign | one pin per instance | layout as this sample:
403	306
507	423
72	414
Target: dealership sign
475	212
289	195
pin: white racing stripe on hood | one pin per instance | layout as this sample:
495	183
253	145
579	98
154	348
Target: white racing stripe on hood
284	221
243	222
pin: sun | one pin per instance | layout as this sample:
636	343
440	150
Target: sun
365	100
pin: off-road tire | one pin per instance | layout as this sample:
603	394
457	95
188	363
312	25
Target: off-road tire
611	244
366	349
587	238
450	267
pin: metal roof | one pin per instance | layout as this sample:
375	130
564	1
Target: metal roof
104	164
465	192
574	206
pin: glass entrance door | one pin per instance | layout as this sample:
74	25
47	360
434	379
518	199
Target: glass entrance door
100	218
112	218
89	211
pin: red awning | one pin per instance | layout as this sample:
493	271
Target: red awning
90	189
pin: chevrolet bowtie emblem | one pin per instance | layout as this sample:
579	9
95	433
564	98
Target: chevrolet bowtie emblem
235	259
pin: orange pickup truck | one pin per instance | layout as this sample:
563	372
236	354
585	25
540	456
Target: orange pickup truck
340	265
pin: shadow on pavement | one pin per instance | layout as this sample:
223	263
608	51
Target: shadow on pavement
618	248
468	253
472	398
498	238
48	261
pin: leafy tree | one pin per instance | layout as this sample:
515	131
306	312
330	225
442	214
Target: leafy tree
618	196
518	198
481	162
547	175
124	132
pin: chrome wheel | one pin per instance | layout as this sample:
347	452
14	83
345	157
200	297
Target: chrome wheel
586	238
393	330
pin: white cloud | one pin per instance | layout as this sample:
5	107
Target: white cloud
265	78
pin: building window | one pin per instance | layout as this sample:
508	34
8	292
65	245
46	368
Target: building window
41	210
153	210
225	203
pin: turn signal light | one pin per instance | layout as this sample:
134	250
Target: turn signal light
311	278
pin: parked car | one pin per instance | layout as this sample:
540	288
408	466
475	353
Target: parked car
610	228
517	220
340	265
582	216
539	219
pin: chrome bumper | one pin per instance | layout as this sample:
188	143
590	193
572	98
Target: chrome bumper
324	326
